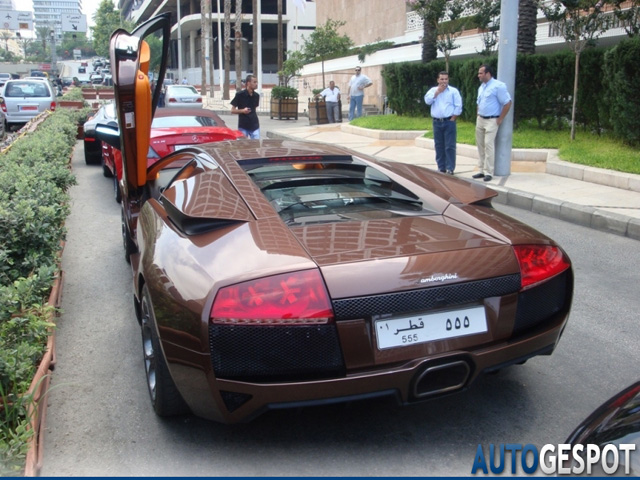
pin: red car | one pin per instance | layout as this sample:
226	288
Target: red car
171	130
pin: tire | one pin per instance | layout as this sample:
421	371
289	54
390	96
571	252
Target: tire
117	193
105	169
127	241
165	397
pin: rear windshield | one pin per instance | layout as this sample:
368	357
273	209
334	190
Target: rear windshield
183	90
331	189
184	121
27	89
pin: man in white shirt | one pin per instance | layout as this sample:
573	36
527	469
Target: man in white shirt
357	84
446	106
332	97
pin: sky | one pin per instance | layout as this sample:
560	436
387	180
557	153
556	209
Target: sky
89	8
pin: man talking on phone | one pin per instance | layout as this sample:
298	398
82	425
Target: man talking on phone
245	105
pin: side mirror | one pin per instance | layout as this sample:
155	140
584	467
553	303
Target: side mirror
109	134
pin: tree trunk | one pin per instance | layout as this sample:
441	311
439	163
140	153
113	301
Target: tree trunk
280	44
527	26
227	48
203	46
257	42
212	69
238	45
575	96
429	51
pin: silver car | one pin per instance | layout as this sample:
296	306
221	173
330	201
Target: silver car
23	99
182	96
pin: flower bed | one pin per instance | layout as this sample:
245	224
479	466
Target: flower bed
34	180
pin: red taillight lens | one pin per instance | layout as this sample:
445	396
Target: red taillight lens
539	263
199	100
298	298
172	100
53	106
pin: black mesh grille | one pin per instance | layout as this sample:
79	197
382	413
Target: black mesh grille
234	400
424	299
264	353
538	304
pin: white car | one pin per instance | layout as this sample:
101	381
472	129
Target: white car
182	96
24	99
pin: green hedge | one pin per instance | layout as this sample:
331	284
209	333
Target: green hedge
607	92
35	176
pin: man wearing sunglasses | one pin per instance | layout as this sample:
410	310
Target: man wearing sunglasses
357	84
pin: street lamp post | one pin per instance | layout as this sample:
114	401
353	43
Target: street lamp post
54	58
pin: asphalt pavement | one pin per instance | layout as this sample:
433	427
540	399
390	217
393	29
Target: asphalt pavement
539	180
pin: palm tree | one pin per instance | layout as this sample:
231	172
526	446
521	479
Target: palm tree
227	47
205	27
238	44
527	26
280	43
257	43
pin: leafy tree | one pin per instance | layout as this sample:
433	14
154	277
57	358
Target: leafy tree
628	12
325	41
487	19
107	19
580	22
291	66
527	26
450	30
71	41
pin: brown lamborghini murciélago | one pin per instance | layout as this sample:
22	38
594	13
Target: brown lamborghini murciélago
275	273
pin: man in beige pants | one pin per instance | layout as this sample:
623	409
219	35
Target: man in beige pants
494	103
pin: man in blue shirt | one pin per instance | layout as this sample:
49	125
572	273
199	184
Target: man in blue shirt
494	103
446	105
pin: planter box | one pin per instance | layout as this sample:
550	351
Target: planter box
284	108
71	104
39	388
317	112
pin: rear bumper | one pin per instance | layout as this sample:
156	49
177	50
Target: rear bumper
232	401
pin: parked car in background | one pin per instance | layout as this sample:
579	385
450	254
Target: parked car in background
82	69
95	79
182	96
171	130
3	78
24	99
106	114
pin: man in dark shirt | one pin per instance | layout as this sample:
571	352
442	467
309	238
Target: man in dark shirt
245	105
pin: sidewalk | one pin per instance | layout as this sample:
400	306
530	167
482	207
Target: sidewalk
539	181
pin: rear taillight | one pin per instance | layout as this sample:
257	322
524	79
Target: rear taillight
539	263
52	107
298	298
3	106
199	100
172	100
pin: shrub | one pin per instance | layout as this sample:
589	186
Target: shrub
284	92
34	179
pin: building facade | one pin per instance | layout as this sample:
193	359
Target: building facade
298	19
371	21
48	13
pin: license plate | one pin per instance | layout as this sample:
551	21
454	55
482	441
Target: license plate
409	330
187	100
28	108
180	147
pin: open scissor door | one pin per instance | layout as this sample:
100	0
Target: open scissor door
135	101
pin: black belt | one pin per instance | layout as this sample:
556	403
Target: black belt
442	119
492	116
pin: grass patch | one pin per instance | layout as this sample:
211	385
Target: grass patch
587	149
